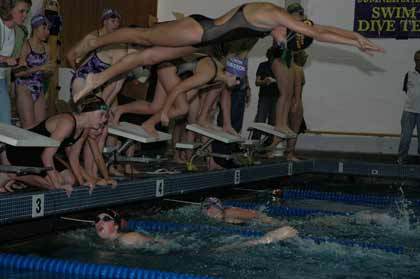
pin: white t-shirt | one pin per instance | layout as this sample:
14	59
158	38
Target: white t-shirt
412	103
7	44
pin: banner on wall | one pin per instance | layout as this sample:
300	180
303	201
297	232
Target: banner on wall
398	19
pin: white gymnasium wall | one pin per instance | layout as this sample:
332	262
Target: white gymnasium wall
347	90
215	8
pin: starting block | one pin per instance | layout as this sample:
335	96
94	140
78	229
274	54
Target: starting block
16	136
136	133
133	133
201	149
269	129
187	145
214	134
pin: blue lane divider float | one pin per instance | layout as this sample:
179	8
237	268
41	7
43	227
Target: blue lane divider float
346	198
285	211
166	227
103	271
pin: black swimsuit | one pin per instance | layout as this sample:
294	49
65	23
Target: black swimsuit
187	69
31	156
237	27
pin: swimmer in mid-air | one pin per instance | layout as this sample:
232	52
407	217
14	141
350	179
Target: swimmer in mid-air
173	39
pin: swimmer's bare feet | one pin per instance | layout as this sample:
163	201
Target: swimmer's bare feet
230	130
131	170
114	171
292	157
275	143
205	124
164	118
7	186
91	83
67	188
178	158
212	165
150	130
286	131
107	182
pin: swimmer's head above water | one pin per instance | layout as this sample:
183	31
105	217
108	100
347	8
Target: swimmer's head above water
107	224
95	109
212	207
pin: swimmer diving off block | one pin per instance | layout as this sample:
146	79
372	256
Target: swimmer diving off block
173	39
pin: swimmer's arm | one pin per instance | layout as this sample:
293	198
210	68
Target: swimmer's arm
233	221
73	153
338	31
22	61
274	236
322	34
136	239
270	220
100	162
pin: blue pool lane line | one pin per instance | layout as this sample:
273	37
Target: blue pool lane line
168	227
103	271
346	198
283	210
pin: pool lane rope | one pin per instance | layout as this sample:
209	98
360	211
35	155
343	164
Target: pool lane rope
276	210
346	198
169	227
85	270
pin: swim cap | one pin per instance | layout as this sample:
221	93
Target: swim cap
91	103
114	214
110	13
295	8
39	20
211	202
237	66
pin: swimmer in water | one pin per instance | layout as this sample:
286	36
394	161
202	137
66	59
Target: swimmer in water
109	223
213	208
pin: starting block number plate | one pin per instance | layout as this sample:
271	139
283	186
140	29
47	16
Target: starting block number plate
38	204
160	188
237	177
290	169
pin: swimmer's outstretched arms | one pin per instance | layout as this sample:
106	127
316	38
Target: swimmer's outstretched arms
279	234
213	208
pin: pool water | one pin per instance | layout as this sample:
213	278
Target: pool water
195	252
